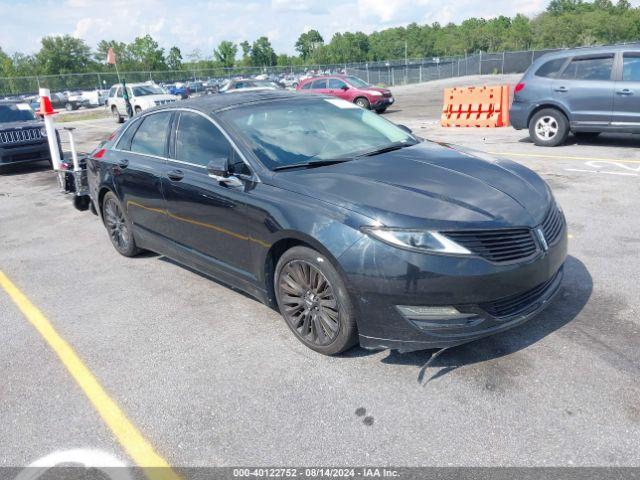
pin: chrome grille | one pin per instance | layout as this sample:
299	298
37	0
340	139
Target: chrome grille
552	225
20	136
499	246
163	102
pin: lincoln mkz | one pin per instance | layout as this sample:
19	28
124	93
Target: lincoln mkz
356	230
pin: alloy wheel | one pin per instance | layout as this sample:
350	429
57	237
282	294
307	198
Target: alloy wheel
546	127
309	303
116	225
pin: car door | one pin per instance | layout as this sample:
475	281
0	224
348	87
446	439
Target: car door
208	217
119	101
585	87
338	88
138	169
626	98
320	86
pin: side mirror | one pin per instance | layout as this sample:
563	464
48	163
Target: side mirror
345	87
405	128
218	169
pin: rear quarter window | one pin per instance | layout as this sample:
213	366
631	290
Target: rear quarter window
550	69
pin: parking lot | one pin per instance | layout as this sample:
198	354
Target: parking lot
209	376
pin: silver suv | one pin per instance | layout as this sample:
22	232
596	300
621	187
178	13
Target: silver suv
585	91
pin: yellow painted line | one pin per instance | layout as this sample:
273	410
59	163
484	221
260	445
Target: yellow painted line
562	157
140	450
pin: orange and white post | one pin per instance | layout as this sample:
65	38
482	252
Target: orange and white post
46	111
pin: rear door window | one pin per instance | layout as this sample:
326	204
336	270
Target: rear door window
631	67
319	84
589	68
551	69
151	136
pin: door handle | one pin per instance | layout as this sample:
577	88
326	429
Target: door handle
561	89
624	91
175	175
123	163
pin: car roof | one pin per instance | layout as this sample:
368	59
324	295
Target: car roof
224	101
572	52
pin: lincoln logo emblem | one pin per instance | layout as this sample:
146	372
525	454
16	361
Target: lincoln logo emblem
543	241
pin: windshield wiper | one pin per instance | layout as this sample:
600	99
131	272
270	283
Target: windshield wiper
387	148
315	163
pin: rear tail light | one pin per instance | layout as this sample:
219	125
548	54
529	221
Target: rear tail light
100	153
519	87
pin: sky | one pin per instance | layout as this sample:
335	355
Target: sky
196	24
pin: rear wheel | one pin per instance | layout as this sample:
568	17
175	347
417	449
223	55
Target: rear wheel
362	102
116	114
138	110
548	128
118	226
313	300
68	107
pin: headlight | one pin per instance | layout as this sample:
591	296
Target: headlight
416	240
43	131
374	93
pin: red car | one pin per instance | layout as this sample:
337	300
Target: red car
352	89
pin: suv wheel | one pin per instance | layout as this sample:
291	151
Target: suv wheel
362	103
548	128
116	114
313	300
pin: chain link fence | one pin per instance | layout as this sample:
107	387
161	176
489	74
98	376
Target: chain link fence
388	73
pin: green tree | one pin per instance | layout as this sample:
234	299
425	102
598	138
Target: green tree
146	53
246	52
119	48
262	53
174	59
308	43
63	54
226	53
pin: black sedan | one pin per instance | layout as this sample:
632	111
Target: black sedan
355	229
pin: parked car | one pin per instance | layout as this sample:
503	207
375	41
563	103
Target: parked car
23	138
247	85
353	227
585	91
180	89
142	96
75	100
350	88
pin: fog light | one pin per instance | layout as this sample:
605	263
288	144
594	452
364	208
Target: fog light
429	318
430	312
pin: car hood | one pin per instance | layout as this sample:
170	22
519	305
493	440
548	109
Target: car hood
428	185
378	89
21	124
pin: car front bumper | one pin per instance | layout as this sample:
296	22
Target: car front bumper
381	278
383	102
13	155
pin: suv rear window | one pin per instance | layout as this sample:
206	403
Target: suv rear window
589	68
551	69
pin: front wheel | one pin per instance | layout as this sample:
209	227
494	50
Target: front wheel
116	114
362	103
313	300
548	128
118	226
381	110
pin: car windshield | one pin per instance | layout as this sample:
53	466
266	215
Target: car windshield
147	90
312	130
16	112
357	82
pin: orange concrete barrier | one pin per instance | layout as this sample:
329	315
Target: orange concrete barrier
476	107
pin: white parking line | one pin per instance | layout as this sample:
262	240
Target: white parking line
602	171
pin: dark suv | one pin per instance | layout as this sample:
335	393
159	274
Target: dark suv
23	138
585	91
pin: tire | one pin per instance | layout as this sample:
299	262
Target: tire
586	135
381	110
313	300
363	103
118	226
68	107
548	128
137	110
114	111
